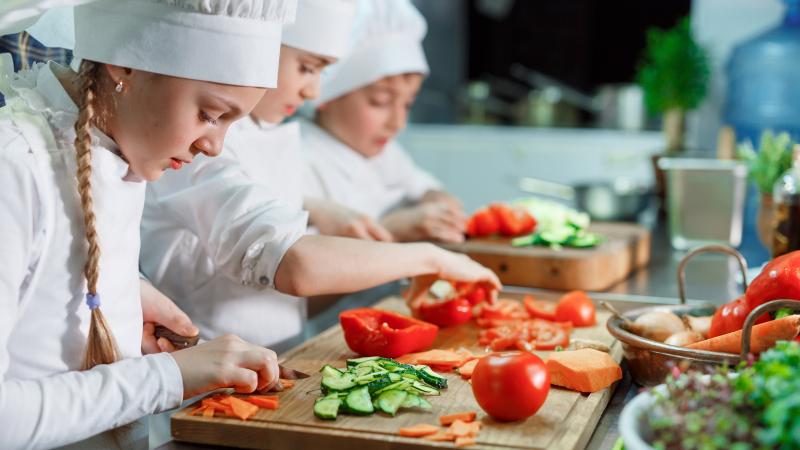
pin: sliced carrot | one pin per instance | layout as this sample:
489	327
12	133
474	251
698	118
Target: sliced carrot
584	370
459	428
763	337
198	410
241	408
419	430
264	403
439	437
466	370
208	412
449	419
464	441
438	359
287	384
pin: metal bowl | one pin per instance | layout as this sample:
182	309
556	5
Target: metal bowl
651	361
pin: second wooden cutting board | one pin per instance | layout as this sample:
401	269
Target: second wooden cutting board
626	248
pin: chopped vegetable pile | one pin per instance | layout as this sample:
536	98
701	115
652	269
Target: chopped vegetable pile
557	226
375	383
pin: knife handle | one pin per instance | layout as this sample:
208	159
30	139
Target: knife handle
177	340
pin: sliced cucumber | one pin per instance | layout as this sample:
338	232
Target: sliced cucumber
390	401
415	401
423	388
399	386
331	372
584	240
358	401
357	361
523	241
327	408
379	384
343	383
434	379
395	377
557	235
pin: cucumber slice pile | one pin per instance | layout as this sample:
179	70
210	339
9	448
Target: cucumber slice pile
557	226
375	383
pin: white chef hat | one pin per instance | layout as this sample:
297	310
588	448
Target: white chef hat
386	40
233	42
322	27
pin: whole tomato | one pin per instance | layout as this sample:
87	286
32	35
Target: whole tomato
510	386
576	307
730	317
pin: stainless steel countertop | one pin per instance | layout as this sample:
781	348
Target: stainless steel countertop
709	278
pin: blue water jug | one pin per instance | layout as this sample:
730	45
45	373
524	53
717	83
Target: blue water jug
764	80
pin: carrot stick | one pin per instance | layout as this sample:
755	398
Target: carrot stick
439	437
264	403
419	430
242	409
763	337
463	416
208	412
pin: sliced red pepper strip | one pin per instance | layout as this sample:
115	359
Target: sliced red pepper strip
375	332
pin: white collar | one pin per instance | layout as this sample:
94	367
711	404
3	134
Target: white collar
64	113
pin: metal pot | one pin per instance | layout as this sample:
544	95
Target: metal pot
621	199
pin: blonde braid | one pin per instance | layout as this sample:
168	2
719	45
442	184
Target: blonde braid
101	348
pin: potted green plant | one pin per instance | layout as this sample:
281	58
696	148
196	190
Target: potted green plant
756	408
765	167
673	74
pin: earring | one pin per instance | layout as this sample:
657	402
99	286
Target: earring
119	87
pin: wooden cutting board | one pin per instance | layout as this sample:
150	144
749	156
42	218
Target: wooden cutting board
565	421
626	248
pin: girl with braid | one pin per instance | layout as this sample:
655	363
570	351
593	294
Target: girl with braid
160	82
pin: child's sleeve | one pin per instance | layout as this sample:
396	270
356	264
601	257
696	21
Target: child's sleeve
243	227
69	407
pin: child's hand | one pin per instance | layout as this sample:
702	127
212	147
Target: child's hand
226	361
433	220
453	267
158	309
333	219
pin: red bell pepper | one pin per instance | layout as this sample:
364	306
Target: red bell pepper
374	332
730	317
780	279
446	313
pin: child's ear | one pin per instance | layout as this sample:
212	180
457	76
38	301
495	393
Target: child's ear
118	73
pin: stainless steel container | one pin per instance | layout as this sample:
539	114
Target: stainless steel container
705	201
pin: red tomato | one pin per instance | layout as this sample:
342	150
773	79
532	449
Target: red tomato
446	313
527	223
730	317
540	309
483	223
513	221
576	307
510	386
548	338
